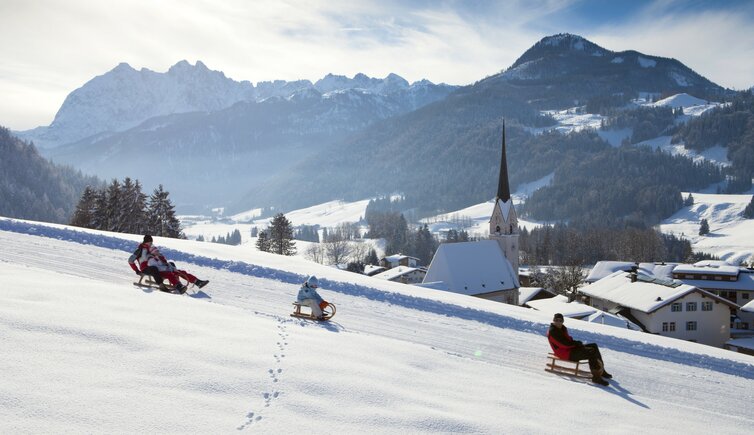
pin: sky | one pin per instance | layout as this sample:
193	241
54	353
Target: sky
52	47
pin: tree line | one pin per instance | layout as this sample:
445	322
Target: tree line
31	187
122	207
570	245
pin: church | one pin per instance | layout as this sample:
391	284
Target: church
486	269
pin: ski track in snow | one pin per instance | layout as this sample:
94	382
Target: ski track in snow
354	294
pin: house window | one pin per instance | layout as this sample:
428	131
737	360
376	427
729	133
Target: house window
718	278
690	306
704	276
707	306
689	276
744	295
672	326
676	307
744	325
691	326
665	327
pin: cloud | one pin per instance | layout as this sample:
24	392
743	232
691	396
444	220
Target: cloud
57	46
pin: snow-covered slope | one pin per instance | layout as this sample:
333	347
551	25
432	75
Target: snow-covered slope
731	236
85	351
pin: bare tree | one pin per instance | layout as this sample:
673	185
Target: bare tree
315	252
337	248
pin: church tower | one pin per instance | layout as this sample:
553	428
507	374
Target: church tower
504	222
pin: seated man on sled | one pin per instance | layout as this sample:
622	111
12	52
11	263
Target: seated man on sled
152	263
566	348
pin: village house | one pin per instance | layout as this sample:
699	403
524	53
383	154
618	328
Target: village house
579	311
406	275
663	306
733	283
526	294
391	261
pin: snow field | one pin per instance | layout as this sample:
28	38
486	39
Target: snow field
85	351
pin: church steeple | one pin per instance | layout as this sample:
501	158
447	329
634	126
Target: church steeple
503	190
504	222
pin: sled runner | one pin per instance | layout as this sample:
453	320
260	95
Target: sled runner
146	281
569	368
327	313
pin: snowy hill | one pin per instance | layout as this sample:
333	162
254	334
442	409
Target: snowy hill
85	351
731	236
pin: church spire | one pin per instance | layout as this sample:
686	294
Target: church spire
503	190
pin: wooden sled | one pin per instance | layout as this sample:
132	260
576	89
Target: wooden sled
149	283
568	367
327	313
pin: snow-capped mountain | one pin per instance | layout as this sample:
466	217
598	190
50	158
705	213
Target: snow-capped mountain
124	98
563	68
247	142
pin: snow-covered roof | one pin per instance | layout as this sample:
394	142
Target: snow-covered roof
395	272
604	318
397	257
435	285
745	281
746	342
642	295
605	268
713	267
749	308
371	269
525	294
472	268
560	304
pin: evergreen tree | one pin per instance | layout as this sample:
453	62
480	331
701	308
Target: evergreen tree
133	206
84	213
113	207
372	258
281	236
263	241
748	212
704	228
161	215
689	201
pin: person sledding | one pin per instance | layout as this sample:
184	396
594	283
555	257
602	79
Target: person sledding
308	296
147	260
565	347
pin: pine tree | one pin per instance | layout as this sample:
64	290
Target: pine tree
704	228
263	242
133	207
281	236
161	215
84	213
749	210
372	258
689	201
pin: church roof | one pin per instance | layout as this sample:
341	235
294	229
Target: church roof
472	268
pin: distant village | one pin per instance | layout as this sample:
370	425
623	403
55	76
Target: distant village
709	302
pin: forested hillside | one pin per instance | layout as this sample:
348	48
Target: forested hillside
732	126
32	187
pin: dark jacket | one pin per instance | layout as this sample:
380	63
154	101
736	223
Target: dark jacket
561	342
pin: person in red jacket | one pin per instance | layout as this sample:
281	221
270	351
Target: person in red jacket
152	262
565	347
